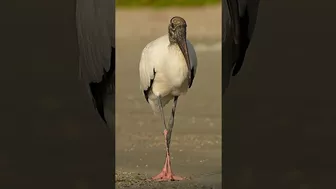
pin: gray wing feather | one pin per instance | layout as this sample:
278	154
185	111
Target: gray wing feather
95	30
193	61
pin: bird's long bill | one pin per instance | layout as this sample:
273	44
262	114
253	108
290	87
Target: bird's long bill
183	46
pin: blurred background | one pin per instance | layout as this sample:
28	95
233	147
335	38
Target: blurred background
149	19
196	139
165	4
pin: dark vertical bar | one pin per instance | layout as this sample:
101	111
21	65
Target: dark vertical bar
113	66
50	134
231	147
279	112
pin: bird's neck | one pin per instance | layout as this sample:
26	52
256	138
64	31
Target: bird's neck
172	40
173	47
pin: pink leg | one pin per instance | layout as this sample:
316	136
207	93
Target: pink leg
167	173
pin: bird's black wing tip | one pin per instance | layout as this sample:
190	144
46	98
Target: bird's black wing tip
146	94
236	70
192	77
150	86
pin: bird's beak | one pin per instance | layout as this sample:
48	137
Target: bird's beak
182	43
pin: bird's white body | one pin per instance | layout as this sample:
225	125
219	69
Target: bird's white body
171	71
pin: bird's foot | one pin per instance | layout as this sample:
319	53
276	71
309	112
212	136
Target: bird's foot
167	173
167	176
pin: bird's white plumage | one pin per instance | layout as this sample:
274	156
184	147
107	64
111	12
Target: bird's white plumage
171	72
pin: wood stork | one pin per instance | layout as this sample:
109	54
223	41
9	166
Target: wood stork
240	17
167	70
95	30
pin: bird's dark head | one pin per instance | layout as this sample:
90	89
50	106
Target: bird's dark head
177	29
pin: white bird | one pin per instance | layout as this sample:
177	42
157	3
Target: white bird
167	70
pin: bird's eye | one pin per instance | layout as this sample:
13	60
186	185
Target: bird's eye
172	25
